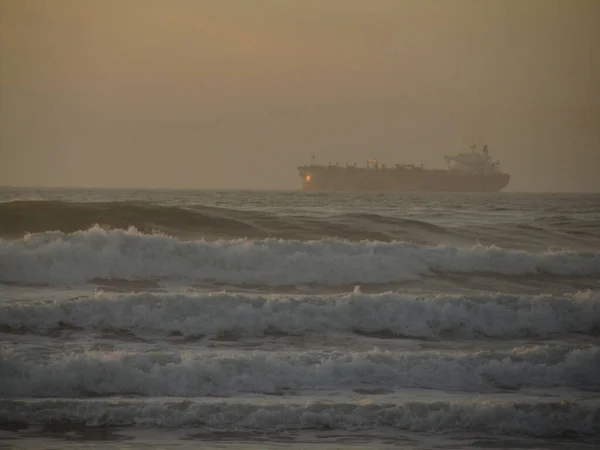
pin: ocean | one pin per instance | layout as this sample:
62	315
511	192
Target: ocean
256	319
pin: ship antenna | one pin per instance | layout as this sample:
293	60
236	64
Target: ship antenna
313	158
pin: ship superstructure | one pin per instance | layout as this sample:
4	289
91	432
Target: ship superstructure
466	172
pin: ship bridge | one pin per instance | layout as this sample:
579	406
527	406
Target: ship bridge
473	162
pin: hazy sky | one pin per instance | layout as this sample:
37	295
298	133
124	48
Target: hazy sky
237	93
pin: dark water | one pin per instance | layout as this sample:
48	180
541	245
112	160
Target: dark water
289	319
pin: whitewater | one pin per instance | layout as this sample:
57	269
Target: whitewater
257	319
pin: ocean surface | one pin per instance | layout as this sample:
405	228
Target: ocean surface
229	319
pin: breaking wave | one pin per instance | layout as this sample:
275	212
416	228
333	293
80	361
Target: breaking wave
191	373
217	314
540	419
97	253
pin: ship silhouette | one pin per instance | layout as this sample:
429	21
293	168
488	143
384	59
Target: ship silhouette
466	172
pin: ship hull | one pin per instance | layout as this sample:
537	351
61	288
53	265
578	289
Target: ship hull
319	178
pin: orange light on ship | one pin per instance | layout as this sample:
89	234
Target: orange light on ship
307	178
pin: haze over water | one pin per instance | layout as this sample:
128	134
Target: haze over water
236	94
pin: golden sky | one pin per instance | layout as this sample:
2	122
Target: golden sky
236	93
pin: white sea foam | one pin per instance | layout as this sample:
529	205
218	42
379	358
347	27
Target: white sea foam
201	372
58	258
213	314
542	419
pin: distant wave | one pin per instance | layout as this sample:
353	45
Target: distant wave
193	316
21	217
551	418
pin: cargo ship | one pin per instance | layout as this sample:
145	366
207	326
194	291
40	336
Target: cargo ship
466	172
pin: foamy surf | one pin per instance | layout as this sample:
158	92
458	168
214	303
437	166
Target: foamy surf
551	418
